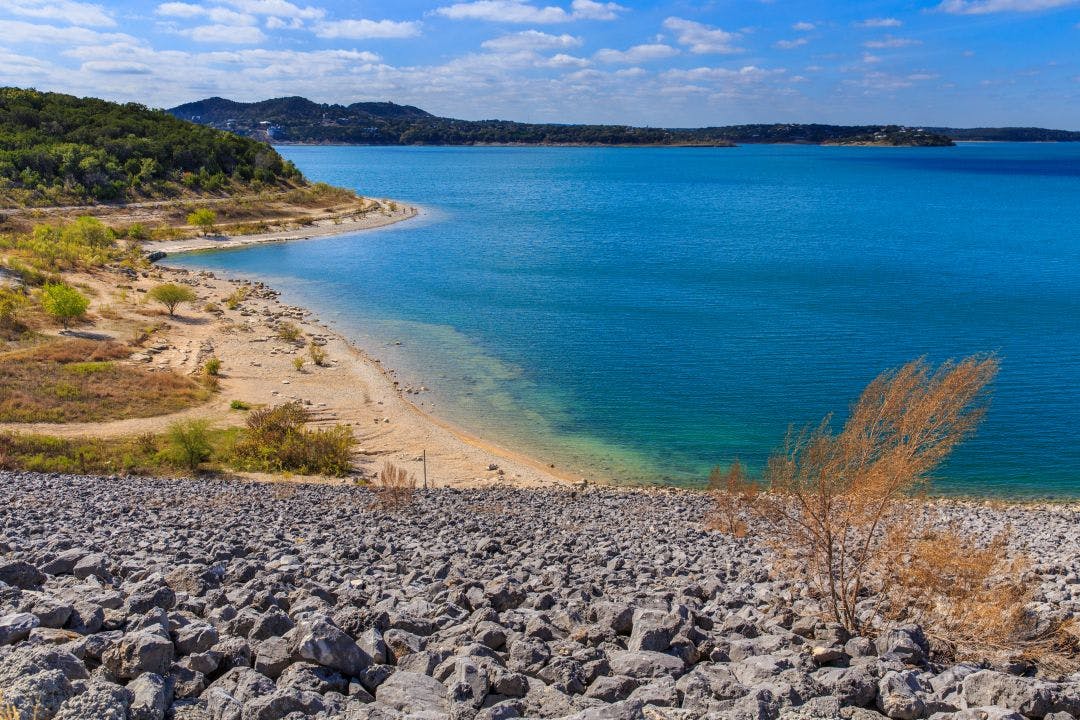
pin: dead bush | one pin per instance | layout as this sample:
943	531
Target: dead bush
394	488
972	600
834	500
733	495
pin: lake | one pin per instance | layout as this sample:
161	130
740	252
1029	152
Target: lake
645	314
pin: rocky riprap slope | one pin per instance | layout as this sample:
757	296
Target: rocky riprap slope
191	599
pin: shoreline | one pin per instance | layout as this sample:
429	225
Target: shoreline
564	474
317	229
521	468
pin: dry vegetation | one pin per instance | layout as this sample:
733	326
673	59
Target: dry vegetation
238	215
82	380
394	488
840	510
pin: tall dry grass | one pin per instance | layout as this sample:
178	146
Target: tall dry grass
394	488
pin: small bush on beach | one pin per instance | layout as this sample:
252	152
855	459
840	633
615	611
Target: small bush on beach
212	366
298	363
171	295
63	303
189	442
277	439
394	488
289	332
238	296
318	355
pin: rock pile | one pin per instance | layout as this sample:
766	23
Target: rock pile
142	599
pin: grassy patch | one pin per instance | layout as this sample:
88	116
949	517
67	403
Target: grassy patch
145	455
78	381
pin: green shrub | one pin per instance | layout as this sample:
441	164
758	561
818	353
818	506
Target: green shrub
63	302
213	365
298	363
239	405
204	219
171	295
289	332
11	303
189	442
277	439
318	355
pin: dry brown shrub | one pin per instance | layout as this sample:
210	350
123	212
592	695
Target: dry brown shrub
835	502
972	600
394	488
733	495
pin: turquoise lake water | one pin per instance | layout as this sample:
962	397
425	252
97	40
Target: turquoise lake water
644	314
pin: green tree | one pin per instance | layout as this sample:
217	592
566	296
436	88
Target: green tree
63	302
190	443
204	219
171	295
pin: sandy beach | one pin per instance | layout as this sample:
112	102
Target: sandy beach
258	369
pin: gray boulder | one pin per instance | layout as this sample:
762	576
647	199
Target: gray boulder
138	653
101	701
412	693
21	574
645	664
320	641
1027	696
16	627
150	696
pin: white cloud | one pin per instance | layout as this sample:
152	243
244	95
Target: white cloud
891	42
532	40
278	8
18	32
881	22
803	26
232	34
983	7
562	60
636	54
116	67
747	73
517	11
218	15
180	9
590	10
702	39
367	29
791	44
870	59
75	13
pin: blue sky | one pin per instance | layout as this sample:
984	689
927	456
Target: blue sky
675	63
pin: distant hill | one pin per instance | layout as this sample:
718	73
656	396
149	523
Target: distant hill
61	150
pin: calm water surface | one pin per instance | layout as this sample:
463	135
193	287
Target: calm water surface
644	314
